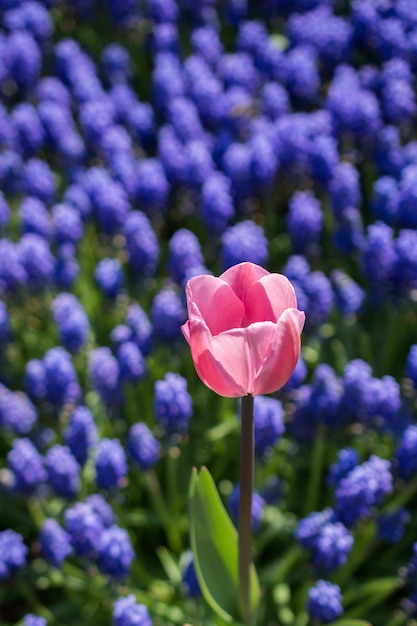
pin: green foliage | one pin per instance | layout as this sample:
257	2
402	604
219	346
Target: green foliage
214	542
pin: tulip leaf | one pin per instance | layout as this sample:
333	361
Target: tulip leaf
214	542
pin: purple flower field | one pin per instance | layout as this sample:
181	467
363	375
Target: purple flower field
143	143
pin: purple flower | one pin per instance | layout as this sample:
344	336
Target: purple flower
55	542
24	59
101	508
167	79
165	38
168	314
84	527
141	244
274	100
238	69
328	34
269	424
173	404
347	459
51	89
378	259
324	601
116	64
61	379
26	465
12	271
143	447
216	202
331	547
363	488
12	553
152	187
127	612
81	434
104	373
405	456
63	471
68	227
236	163
34	620
72	321
28	127
67	267
206	42
344	188
140	327
264	163
184	253
131	362
302	74
17	413
298	376
354	110
96	116
35	218
411	365
39	180
32	17
304	223
182	114
115	553
189	577
110	463
349	295
172	155
108	199
5	328
245	241
140	121
37	261
309	528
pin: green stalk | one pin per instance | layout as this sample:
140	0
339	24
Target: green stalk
247	463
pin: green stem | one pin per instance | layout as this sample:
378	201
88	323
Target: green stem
245	508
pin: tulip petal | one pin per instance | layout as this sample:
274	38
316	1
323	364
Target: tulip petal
242	277
216	303
219	361
281	358
268	298
186	330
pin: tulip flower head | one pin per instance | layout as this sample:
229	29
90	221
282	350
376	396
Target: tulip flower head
243	329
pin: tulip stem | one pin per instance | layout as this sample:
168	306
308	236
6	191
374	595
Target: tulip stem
245	508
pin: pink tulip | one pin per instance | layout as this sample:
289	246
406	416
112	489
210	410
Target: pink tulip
243	329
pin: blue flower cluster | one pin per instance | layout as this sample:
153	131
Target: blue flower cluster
144	142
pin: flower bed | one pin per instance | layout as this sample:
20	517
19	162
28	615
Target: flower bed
146	142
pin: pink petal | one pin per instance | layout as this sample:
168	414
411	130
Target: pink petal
242	277
268	298
213	300
220	361
282	356
186	330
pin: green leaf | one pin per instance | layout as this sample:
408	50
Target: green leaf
214	542
350	622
